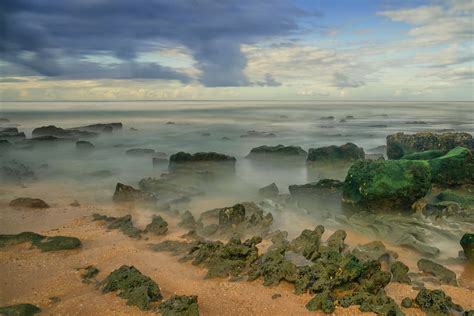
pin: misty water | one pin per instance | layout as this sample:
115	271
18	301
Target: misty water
222	127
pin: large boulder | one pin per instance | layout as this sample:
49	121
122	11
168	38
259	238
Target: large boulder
333	154
204	161
400	144
278	152
385	185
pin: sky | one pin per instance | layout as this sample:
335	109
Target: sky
117	50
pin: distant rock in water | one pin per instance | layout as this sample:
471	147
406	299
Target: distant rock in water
327	118
467	244
83	145
400	144
256	134
4	120
26	202
126	193
269	191
386	185
140	152
335	154
279	152
416	123
100	128
47	141
11	134
206	161
52	130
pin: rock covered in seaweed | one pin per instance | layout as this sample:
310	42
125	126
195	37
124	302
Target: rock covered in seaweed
123	224
20	310
386	185
400	144
335	154
130	284
43	243
436	302
180	305
454	168
52	130
26	202
207	161
278	152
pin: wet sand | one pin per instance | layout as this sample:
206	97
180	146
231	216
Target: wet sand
29	276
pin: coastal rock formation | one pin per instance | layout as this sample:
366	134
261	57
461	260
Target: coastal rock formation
43	243
334	154
15	172
83	145
124	224
279	152
11	134
386	185
52	130
444	275
204	161
467	244
158	226
454	168
436	302
140	152
25	202
126	193
180	305
100	128
257	134
400	144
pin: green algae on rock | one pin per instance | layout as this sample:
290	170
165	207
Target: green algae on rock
43	243
436	302
454	168
443	274
180	305
467	244
386	185
19	310
158	226
425	155
400	272
130	284
450	196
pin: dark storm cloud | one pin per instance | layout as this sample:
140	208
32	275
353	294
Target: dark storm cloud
39	35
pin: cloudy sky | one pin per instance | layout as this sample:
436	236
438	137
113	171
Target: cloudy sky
245	49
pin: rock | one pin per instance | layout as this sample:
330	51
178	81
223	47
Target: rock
270	191
43	243
386	185
307	243
100	128
454	168
206	161
158	226
278	152
335	154
75	203
187	221
255	134
130	284
407	302
324	301
170	123
180	305
400	272
158	161
425	155
4	120
335	242
374	250
444	275
20	310
47	141
232	215
323	188
436	302
5	145
83	145
327	118
126	193
11	134
140	152
450	196
89	273
467	244
52	130
124	224
26	202
400	144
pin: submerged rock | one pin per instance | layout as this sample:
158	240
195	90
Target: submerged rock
270	191
5	145
20	310
335	154
436	302
43	243
15	172
25	202
324	192
158	226
126	193
84	145
400	144
100	128
386	185
257	134
180	305
207	161
467	244
278	152
159	161
130	284
444	275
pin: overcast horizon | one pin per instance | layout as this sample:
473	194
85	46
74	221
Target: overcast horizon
105	50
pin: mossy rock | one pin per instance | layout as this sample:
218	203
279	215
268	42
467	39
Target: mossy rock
467	244
450	196
400	272
158	226
124	224
43	243
443	274
279	152
454	168
19	310
425	155
180	305
386	185
436	302
130	284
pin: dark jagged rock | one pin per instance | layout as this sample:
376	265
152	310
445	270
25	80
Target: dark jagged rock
436	302
20	310
124	224
158	226
187	221
202	161
84	145
454	168
126	193
25	202
180	305
257	134
335	154
386	185
130	284
47	140
279	152
140	152
374	250
269	191
308	242
400	144
400	272
100	128
444	275
232	215
52	130
43	243
89	273
467	244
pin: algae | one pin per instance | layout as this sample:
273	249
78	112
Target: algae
20	310
43	243
180	305
436	302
